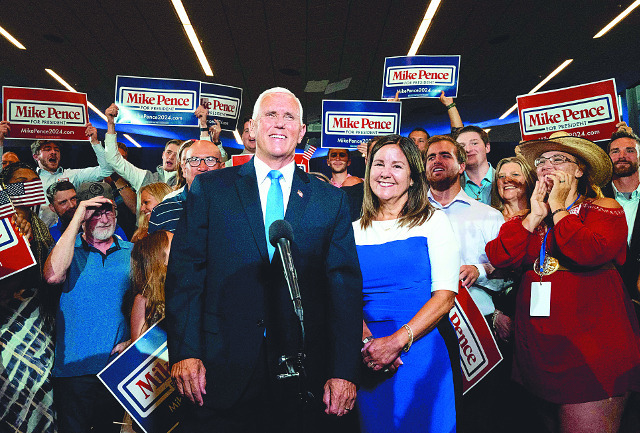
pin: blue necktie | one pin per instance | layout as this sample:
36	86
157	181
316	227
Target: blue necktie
275	207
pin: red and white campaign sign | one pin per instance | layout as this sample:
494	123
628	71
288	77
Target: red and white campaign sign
45	114
589	111
479	353
15	253
301	161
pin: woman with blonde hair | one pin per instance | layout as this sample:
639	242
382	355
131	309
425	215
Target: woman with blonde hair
150	196
149	258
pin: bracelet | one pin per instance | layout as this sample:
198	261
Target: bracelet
450	106
556	211
410	332
493	319
123	187
365	340
205	129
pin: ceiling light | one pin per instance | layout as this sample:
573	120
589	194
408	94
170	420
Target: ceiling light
191	34
128	137
617	19
237	136
11	39
424	27
60	80
555	72
487	130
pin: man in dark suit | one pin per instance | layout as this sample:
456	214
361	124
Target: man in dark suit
229	314
625	188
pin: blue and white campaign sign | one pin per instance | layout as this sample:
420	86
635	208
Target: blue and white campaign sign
140	379
420	76
345	124
223	102
157	101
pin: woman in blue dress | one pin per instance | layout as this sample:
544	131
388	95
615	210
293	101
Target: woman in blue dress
410	263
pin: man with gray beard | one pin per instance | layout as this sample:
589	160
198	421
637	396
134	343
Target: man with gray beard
92	267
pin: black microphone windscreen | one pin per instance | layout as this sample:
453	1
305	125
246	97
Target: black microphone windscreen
280	229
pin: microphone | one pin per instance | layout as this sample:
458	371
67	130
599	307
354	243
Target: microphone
281	236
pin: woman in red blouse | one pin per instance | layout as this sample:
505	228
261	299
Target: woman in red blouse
577	344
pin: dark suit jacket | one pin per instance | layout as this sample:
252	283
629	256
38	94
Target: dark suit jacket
221	290
629	271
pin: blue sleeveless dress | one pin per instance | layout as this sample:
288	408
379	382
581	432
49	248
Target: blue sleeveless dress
400	267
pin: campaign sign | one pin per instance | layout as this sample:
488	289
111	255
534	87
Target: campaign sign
157	101
589	111
240	159
420	76
43	114
140	379
15	253
223	102
479	353
345	124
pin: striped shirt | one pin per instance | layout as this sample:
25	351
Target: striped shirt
165	216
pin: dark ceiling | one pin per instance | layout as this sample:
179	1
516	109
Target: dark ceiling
507	47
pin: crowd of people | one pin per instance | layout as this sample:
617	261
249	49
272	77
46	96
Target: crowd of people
547	244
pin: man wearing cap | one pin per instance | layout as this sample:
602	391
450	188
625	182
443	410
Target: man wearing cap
47	155
625	188
63	201
92	268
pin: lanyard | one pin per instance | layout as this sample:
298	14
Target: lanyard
543	247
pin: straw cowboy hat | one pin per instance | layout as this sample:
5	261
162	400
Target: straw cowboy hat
599	166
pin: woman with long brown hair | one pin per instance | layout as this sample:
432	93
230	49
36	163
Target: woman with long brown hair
149	258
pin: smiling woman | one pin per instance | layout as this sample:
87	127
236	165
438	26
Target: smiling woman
410	261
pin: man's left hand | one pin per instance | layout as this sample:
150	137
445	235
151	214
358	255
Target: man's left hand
468	275
339	396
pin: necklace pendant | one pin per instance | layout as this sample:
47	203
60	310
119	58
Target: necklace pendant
549	266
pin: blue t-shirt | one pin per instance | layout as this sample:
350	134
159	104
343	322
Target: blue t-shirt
90	321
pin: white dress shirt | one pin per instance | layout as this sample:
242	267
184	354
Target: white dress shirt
262	171
475	224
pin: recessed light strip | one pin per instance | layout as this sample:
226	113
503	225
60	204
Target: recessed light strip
555	72
66	85
617	19
128	137
11	39
424	27
191	34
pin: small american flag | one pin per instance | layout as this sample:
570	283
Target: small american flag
27	193
6	208
308	152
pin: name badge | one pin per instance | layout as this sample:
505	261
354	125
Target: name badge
540	299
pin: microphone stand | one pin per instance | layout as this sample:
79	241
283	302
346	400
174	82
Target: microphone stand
294	364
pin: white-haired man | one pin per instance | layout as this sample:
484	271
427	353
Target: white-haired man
229	312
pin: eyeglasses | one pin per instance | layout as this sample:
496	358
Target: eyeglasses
210	161
555	160
98	213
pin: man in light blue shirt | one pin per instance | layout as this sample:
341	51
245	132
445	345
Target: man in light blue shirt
625	188
478	174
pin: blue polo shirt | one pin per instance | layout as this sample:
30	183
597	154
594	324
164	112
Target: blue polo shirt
89	321
481	193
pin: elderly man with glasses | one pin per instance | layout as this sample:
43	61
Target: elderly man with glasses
91	265
200	157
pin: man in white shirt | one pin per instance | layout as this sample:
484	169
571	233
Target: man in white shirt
475	224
